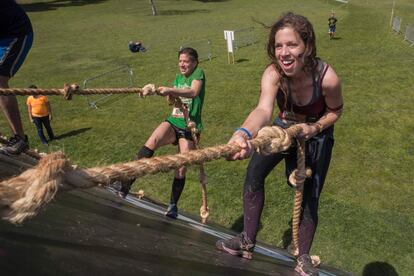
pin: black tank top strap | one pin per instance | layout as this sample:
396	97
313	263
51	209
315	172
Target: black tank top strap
314	109
322	69
317	78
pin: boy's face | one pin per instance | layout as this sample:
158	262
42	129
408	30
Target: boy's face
186	64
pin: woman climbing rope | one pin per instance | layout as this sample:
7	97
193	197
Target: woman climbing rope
189	88
308	93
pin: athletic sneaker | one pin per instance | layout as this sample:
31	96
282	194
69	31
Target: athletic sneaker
240	246
122	188
305	267
16	145
172	211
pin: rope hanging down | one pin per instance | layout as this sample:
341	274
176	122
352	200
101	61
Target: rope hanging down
69	90
191	126
297	179
23	196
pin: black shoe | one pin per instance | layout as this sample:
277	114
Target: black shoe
16	145
122	188
240	246
172	211
305	267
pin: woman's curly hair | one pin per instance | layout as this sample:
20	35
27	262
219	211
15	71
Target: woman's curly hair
304	28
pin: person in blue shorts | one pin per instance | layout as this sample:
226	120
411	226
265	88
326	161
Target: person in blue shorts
16	38
332	25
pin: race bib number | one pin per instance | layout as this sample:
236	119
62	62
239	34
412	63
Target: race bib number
177	113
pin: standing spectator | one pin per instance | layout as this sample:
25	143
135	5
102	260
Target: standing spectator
16	38
332	25
40	113
308	93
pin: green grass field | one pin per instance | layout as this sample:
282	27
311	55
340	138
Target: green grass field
366	211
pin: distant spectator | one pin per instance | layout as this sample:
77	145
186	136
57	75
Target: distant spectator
40	113
16	37
332	25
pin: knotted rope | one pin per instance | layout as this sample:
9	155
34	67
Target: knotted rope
69	90
23	196
297	179
204	210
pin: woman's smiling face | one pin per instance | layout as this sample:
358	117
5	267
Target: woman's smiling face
289	51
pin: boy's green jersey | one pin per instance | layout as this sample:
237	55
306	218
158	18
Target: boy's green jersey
195	105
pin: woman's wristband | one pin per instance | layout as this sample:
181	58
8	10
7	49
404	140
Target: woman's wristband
245	131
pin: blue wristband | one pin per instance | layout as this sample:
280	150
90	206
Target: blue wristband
248	133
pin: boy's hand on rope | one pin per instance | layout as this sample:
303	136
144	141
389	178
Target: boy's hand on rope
148	90
164	91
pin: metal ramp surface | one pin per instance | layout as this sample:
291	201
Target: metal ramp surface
94	232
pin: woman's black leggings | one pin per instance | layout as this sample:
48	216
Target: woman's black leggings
318	156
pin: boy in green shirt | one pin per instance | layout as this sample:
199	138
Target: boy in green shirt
189	87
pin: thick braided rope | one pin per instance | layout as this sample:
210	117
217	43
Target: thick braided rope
44	181
204	210
297	178
23	196
274	139
73	89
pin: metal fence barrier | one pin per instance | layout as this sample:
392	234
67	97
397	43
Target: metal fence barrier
396	24
244	37
203	48
409	34
118	77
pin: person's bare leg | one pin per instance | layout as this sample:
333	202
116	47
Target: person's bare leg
163	135
10	109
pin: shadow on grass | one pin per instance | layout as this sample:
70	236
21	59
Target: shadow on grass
287	236
238	224
182	12
240	60
54	5
72	133
336	38
379	268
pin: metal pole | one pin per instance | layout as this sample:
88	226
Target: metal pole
392	12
